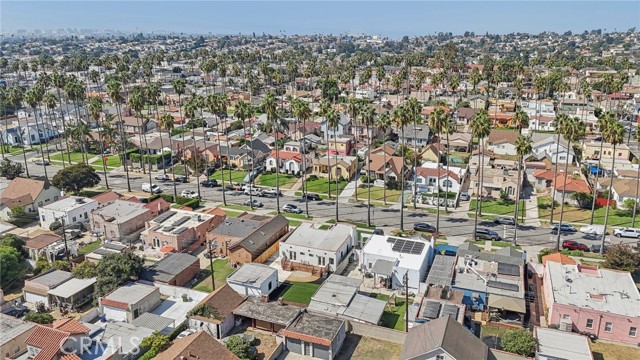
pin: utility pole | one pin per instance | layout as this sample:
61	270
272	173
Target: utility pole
405	279
213	281
64	237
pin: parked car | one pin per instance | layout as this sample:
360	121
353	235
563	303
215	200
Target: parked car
595	248
563	228
180	179
504	220
593	229
185	333
253	191
574	245
465	196
209	183
190	194
627	232
162	177
254	203
208	171
290	208
272	192
378	231
17	311
41	162
424	227
312	196
486	234
151	188
237	187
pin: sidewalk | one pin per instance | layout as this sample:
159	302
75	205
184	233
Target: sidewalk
531	204
349	190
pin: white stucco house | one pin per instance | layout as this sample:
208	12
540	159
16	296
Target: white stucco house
253	279
428	179
71	210
290	162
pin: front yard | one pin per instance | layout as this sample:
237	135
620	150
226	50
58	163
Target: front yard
221	270
76	157
269	179
377	194
236	176
572	214
321	186
497	207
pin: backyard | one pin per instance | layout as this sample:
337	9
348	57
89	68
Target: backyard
221	270
394	313
572	214
321	185
300	292
269	179
365	348
607	351
236	175
497	207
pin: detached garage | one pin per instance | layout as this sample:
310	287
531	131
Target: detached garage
37	288
316	336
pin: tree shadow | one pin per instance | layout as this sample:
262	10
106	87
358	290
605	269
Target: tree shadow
349	347
597	356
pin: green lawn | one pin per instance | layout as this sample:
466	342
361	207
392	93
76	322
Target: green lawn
231	213
617	218
268	179
15	150
377	194
294	223
89	247
113	161
236	176
322	186
76	157
394	314
221	270
300	292
498	207
292	216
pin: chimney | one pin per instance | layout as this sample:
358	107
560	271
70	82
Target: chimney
280	301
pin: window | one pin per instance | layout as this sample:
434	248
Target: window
447	183
269	286
562	157
589	323
370	265
619	154
439	357
74	219
331	261
566	317
85	215
608	327
633	331
33	137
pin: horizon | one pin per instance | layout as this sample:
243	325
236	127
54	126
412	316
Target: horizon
402	18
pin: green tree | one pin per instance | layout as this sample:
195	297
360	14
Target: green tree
11	266
15	242
583	199
519	341
10	169
622	257
18	212
153	345
43	319
239	347
76	177
116	270
630	205
84	270
613	134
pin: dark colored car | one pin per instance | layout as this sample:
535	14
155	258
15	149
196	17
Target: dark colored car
209	171
312	196
424	227
16	311
209	183
378	231
563	228
486	234
574	245
595	248
504	220
180	179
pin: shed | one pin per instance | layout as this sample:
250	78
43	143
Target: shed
73	293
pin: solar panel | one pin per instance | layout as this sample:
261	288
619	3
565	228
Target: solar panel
502	285
180	230
408	246
508	269
163	217
431	309
167	228
181	221
450	309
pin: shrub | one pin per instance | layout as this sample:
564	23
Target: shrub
166	197
544	252
55	226
38	318
519	341
193	203
312	177
239	347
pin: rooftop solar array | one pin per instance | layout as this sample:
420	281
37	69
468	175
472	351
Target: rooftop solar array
163	217
181	221
180	230
508	269
503	285
450	309
405	246
431	309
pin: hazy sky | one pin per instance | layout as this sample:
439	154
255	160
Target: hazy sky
390	18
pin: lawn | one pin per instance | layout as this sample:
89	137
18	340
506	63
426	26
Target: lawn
394	314
221	270
377	194
268	179
14	150
617	218
322	186
236	176
497	207
501	244
112	161
233	214
366	348
300	292
292	216
89	247
76	157
607	351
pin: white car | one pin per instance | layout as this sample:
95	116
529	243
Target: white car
271	192
627	232
151	188
290	208
189	193
592	229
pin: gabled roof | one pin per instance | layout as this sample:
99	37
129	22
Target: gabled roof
197	346
287	155
70	325
259	241
48	340
224	300
378	165
430	172
502	137
22	191
544	174
572	185
42	241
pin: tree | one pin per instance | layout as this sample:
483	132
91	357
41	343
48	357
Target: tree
520	342
10	169
613	134
116	270
154	344
631	205
523	148
621	257
84	270
239	346
76	177
583	199
11	266
43	319
15	242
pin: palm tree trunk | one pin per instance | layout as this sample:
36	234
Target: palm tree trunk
479	205
124	146
635	208
144	135
415	165
44	166
24	148
224	190
104	163
595	184
47	143
555	175
606	214
475	208
335	144
446	202
140	140
369	133
401	186
64	125
303	148
566	167
195	160
173	170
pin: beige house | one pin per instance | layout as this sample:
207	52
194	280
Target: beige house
120	220
344	166
591	150
495	181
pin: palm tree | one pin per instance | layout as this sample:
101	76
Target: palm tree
368	115
480	128
270	107
353	108
59	81
95	111
523	148
114	89
414	108
573	130
613	134
243	112
558	124
302	111
400	118
136	103
15	97
635	208
384	124
166	122
33	97
332	118
190	113
75	92
179	87
213	105
438	123
604	121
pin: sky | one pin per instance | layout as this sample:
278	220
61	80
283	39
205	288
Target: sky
388	18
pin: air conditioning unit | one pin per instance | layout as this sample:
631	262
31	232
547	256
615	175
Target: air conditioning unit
565	325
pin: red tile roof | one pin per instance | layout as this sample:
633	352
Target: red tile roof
572	185
106	197
197	346
544	174
72	356
115	304
48	340
71	326
287	155
306	338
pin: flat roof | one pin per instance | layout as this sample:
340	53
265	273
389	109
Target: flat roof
175	221
330	240
379	245
51	279
173	307
483	276
69	203
562	344
252	274
237	227
317	326
441	272
130	293
120	211
11	327
72	287
123	334
365	308
170	266
271	312
152	321
597	289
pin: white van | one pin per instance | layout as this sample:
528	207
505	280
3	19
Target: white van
151	188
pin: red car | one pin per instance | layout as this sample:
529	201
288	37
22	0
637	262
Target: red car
574	245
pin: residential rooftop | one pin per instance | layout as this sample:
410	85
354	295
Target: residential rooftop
555	344
271	312
51	279
323	329
238	227
489	276
174	222
69	203
170	266
12	328
251	274
309	236
130	293
121	211
72	287
383	245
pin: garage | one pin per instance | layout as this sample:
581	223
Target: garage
37	288
114	314
33	298
314	335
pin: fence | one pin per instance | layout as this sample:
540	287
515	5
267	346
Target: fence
268	253
376	332
276	352
603	202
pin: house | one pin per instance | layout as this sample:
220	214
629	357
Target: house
542	123
214	313
106	249
118	340
318	251
491	280
592	150
623	189
343	128
390	258
68	211
290	162
242	156
386	148
249	238
271	316
387	168
199	346
120	220
42	245
173	269
429	179
72	294
316	336
338	296
496	182
538	107
557	345
30	194
478	102
437	303
434	153
418	136
543	178
547	149
297	130
344	166
57	343
502	142
128	302
255	280
37	288
341	145
465	115
132	125
14	335
601	301
458	142
178	230
573	184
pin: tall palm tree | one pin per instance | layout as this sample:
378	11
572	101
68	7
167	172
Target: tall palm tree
438	123
400	118
15	98
558	124
136	103
604	121
95	111
190	113
383	124
333	119
573	130
59	80
179	87
213	105
613	134
302	111
354	107
368	115
414	108
270	107
114	89
50	102
448	128
166	122
635	208
243	112
480	128
76	93
523	148
33	97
